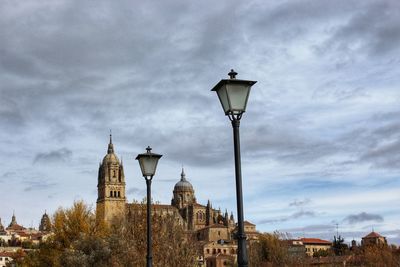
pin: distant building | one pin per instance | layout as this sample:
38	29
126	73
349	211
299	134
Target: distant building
5	258
2	230
45	223
313	245
296	247
14	227
373	238
309	246
213	229
15	235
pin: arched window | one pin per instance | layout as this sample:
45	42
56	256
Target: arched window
115	193
119	194
111	194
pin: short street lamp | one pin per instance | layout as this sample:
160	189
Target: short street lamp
148	164
233	95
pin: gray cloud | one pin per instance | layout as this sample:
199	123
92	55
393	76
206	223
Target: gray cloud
293	216
299	203
316	228
362	217
55	156
38	185
70	70
375	29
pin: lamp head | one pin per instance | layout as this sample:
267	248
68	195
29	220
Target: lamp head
233	94
148	162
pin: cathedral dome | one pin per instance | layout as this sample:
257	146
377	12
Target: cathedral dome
183	184
110	158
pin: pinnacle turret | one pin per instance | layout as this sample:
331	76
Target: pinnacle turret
110	146
183	175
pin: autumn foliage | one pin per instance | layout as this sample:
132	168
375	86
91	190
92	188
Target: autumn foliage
79	240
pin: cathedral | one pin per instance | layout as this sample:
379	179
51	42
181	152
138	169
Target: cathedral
214	231
111	201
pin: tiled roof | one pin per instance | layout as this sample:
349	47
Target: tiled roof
372	235
15	227
315	241
6	254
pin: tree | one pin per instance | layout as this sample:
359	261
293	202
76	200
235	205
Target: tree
379	255
274	249
79	240
172	246
339	247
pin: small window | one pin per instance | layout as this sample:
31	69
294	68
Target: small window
208	251
119	194
111	194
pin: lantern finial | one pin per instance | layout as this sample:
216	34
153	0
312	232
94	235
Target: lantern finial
232	74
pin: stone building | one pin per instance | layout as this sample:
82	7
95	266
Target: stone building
45	223
213	229
111	201
373	239
2	230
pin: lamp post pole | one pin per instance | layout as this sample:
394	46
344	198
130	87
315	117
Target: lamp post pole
233	95
241	235
148	165
149	257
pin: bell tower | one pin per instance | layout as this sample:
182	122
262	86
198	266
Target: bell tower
111	199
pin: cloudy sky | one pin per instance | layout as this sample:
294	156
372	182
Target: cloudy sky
320	138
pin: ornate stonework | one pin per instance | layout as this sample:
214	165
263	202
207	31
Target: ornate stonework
111	199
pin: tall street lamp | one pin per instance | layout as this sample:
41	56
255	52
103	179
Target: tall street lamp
233	95
148	164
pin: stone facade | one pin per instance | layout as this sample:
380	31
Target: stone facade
111	201
373	239
45	223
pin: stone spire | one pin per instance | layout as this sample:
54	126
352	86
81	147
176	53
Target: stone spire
45	224
110	145
13	220
1	227
111	199
183	175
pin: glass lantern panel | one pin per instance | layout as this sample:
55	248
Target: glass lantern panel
223	98
238	95
148	165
